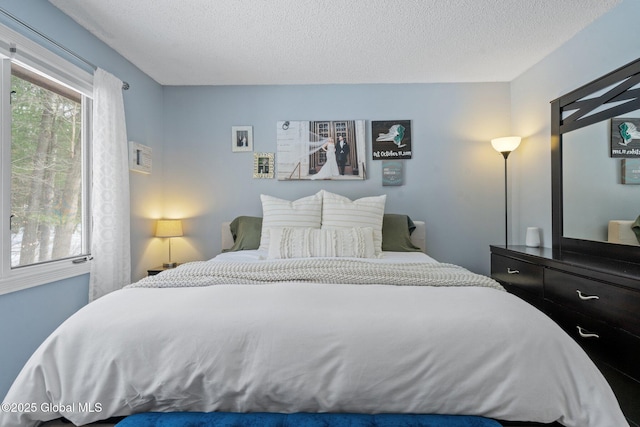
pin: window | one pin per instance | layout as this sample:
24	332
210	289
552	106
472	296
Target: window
45	113
47	160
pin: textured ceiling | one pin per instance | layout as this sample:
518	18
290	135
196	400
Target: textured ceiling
244	42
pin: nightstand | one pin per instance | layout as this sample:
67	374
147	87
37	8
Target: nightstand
155	270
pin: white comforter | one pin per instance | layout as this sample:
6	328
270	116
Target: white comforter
290	347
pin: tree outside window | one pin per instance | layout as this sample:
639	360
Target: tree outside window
46	169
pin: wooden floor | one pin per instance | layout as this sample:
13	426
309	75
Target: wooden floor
626	390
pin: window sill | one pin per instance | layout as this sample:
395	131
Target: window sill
29	277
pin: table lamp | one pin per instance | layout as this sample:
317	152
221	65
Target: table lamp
169	228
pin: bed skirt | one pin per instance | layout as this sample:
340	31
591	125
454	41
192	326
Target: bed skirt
264	419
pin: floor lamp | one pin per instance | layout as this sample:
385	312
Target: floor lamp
505	146
169	228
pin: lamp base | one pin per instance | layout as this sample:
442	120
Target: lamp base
170	264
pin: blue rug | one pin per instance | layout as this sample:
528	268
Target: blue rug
264	419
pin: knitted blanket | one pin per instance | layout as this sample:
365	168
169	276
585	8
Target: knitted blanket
316	270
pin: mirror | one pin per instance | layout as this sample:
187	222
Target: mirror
594	188
592	185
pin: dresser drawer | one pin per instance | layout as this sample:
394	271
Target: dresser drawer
611	345
617	306
520	274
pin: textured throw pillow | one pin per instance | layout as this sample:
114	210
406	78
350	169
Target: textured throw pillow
341	212
636	228
246	232
396	233
326	242
278	213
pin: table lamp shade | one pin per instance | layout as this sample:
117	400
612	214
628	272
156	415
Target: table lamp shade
169	228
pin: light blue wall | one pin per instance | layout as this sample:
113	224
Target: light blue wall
610	42
28	316
454	181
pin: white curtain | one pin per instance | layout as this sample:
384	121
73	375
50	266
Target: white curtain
110	247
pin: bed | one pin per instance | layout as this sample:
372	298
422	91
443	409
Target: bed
268	330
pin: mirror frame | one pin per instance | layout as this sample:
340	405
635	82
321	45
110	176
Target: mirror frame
585	106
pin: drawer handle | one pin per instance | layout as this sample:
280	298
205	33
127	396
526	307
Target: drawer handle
510	271
584	297
586	334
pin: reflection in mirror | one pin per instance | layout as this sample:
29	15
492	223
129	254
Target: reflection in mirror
588	192
593	189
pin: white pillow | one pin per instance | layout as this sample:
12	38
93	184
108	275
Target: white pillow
305	212
340	212
327	242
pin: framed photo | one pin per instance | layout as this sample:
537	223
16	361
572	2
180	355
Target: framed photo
139	157
263	165
241	138
321	150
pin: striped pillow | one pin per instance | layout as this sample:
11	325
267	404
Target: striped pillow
340	212
278	213
328	242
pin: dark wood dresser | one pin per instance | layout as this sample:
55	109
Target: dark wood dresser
595	300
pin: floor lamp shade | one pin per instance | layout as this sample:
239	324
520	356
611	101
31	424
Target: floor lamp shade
169	228
505	146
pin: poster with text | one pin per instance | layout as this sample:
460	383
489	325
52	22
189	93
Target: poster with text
625	138
631	171
391	139
392	173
